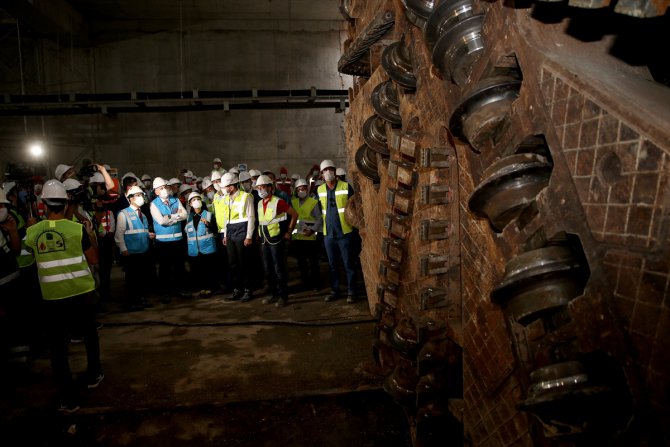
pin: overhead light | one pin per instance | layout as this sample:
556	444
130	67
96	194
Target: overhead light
36	150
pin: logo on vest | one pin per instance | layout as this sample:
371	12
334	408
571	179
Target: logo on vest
50	241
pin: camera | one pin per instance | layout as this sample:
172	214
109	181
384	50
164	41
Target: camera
88	171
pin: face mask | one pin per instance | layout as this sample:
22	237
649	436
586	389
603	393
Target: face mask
138	201
262	193
210	195
246	186
197	204
283	176
147	183
3	214
329	176
164	194
217	186
302	194
315	173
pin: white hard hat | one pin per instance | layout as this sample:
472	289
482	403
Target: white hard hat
174	181
189	173
60	170
300	182
207	177
53	189
254	172
107	167
158	182
216	175
134	190
340	171
71	183
229	179
216	160
8	186
194	194
185	187
327	164
234	170
244	176
206	184
295	176
198	180
146	177
96	178
263	180
131	174
3	196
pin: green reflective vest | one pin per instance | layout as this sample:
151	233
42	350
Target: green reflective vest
269	218
341	197
61	265
305	218
230	212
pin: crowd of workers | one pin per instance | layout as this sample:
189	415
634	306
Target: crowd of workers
60	241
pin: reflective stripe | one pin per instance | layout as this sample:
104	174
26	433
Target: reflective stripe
65	276
234	221
9	277
275	220
61	262
341	192
339	210
323	194
201	238
142	230
168	236
25	252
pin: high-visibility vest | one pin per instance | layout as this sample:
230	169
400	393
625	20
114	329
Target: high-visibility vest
305	218
61	265
9	268
25	258
269	218
136	236
341	197
171	232
200	239
229	212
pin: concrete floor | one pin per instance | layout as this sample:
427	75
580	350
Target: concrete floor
204	372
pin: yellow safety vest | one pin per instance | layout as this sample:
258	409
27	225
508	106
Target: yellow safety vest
61	265
269	218
228	212
341	197
305	218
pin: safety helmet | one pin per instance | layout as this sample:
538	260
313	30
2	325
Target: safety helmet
158	182
71	183
134	190
60	170
53	192
295	176
216	160
234	170
146	177
96	178
198	180
327	164
206	184
300	182
268	172
130	174
189	173
244	176
263	180
3	196
283	170
107	167
340	171
174	181
254	172
229	179
194	194
185	187
8	186
216	175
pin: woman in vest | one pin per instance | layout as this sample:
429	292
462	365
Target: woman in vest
132	236
273	232
201	239
304	242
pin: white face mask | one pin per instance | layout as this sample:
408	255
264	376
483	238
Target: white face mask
147	183
283	176
138	201
217	186
262	193
210	195
329	176
163	194
302	194
3	214
197	204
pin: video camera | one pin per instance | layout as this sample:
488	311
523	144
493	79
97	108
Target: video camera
88	171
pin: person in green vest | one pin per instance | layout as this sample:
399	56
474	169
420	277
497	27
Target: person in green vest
12	313
304	238
273	233
337	232
63	252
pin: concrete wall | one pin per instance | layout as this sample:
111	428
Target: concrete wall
270	56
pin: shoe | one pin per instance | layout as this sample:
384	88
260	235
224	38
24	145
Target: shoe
281	302
237	294
185	294
205	293
351	299
270	299
95	382
76	339
145	303
165	299
196	294
98	325
68	408
246	297
332	296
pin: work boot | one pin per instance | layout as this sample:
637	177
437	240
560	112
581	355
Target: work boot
270	299
145	303
351	299
234	297
246	297
332	296
281	302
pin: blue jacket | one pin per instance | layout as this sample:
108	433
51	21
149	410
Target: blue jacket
200	239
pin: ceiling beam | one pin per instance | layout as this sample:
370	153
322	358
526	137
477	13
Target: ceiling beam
54	19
